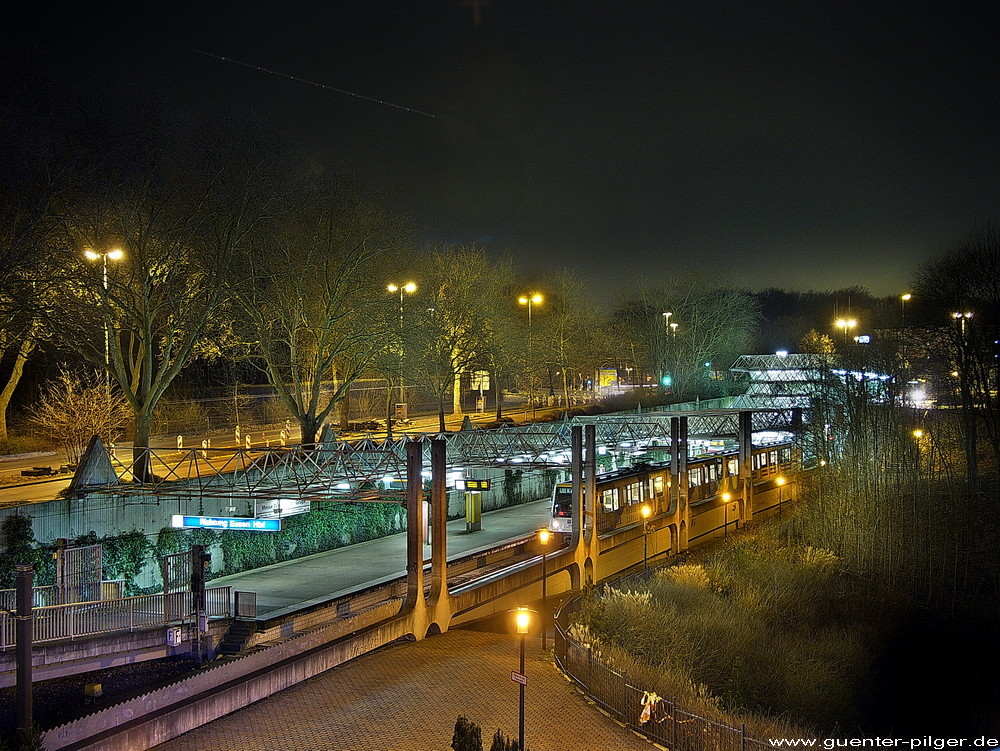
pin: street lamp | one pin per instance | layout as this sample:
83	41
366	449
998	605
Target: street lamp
781	484
903	299
408	288
962	318
845	324
533	299
646	512
522	619
544	536
114	254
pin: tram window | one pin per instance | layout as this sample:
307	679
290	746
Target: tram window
633	493
786	455
773	456
563	504
733	467
658	485
694	477
609	499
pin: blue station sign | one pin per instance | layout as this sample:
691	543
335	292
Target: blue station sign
241	524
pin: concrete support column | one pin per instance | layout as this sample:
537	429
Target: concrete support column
679	477
745	438
414	526
576	472
590	481
439	519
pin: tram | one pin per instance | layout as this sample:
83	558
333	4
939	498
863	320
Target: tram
621	494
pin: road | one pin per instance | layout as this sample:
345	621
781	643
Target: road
37	490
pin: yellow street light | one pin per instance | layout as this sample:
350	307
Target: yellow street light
918	433
903	299
780	481
522	619
408	288
533	298
962	318
543	538
115	254
646	512
845	324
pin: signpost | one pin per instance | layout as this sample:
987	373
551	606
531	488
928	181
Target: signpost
179	521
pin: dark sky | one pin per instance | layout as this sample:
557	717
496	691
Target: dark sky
805	145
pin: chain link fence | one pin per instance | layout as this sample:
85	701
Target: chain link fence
659	719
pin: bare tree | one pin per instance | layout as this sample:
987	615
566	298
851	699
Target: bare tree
142	317
75	407
959	297
311	299
31	177
567	331
455	332
686	328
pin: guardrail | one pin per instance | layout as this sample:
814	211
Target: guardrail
665	722
56	622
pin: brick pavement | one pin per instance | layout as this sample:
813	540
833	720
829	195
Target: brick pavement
406	697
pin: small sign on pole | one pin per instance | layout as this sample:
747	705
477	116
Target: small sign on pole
519	677
469	484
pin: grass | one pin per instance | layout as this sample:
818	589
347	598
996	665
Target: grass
759	631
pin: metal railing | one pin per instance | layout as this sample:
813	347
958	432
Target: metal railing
55	622
666	723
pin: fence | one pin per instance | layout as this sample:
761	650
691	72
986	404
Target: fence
72	621
664	722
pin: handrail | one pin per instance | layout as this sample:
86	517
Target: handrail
71	621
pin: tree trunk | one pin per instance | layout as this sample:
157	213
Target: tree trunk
308	428
456	395
499	396
141	464
23	351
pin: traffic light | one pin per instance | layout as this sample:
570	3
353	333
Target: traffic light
201	563
667	380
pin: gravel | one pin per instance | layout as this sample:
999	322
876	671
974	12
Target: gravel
61	700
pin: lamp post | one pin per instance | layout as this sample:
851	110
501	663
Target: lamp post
522	619
114	254
408	288
781	484
962	318
646	512
544	536
533	299
725	514
903	299
845	324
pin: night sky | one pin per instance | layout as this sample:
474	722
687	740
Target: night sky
805	145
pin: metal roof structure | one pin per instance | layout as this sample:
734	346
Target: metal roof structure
370	469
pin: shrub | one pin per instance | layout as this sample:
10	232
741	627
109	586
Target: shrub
467	736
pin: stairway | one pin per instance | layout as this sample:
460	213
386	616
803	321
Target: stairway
237	636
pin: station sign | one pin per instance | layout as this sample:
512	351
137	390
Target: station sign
467	484
238	523
275	508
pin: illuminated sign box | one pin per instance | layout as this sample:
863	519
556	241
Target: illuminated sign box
472	484
225	522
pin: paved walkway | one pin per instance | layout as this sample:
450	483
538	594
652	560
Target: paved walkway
324	575
407	697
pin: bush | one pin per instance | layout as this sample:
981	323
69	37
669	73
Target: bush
467	736
757	627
